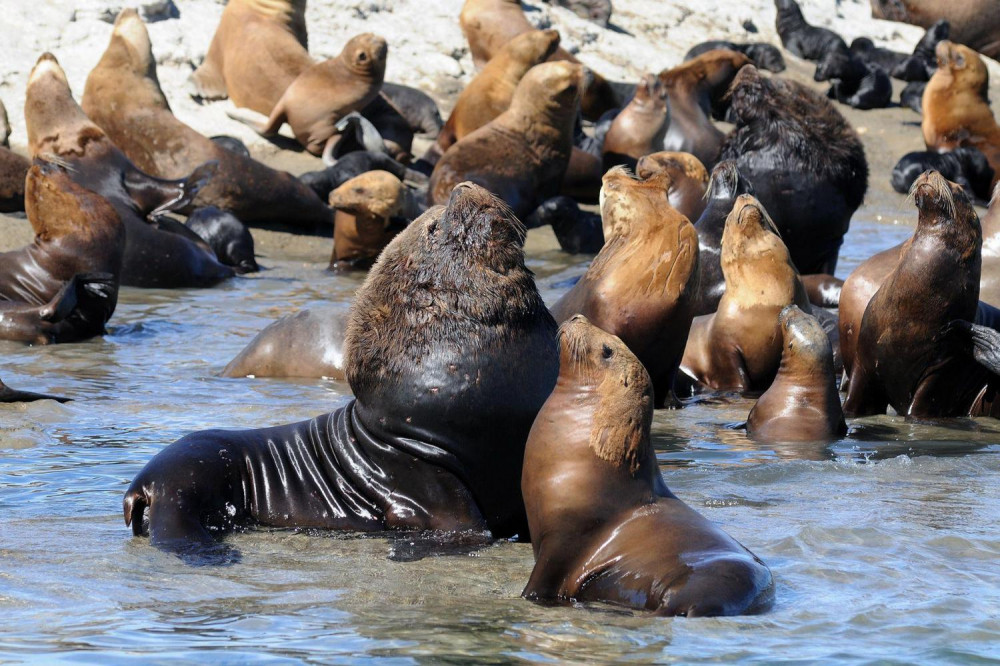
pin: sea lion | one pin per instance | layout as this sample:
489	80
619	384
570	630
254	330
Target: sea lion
489	24
912	96
522	154
688	182
63	287
955	106
798	36
227	236
371	209
802	403
578	231
920	65
450	354
805	161
159	252
643	283
354	164
8	395
964	166
489	94
886	60
13	171
604	525
901	359
400	112
739	347
857	83
123	97
975	23
763	56
640	127
693	90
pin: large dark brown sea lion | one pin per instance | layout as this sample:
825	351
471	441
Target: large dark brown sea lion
693	89
162	254
688	180
640	127
489	94
956	107
739	347
975	23
124	98
522	154
805	161
489	24
802	403
62	287
643	283
450	353
604	525
901	358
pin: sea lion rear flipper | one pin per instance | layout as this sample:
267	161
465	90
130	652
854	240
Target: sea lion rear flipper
156	196
265	126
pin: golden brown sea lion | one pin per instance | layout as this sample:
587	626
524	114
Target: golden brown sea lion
688	180
955	106
643	283
371	209
802	403
739	347
640	127
124	98
604	526
522	154
975	23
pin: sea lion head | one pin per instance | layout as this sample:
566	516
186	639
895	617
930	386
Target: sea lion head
534	46
552	88
483	227
625	199
806	345
365	55
748	94
964	65
650	93
373	193
727	182
55	122
58	207
592	359
750	241
675	164
945	207
130	44
836	63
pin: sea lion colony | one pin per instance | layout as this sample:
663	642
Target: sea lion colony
472	410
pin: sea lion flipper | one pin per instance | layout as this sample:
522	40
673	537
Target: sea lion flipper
980	342
156	196
205	83
62	304
265	126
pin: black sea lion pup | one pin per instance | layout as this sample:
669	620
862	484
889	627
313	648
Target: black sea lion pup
912	96
450	353
578	231
353	165
604	525
885	59
805	161
964	166
804	40
920	65
857	83
227	236
763	56
7	394
802	403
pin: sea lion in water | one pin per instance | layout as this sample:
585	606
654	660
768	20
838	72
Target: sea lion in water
804	40
802	403
159	252
739	347
643	283
805	161
975	23
489	24
640	127
694	88
522	154
123	97
63	287
955	106
688	180
901	358
7	394
489	94
227	236
450	354
604	525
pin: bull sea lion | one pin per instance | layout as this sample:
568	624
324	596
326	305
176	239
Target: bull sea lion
762	56
688	180
955	107
805	161
489	24
522	154
643	283
489	94
371	209
901	359
123	97
450	354
604	525
640	127
799	37
693	90
63	287
739	347
8	395
159	252
802	403
975	23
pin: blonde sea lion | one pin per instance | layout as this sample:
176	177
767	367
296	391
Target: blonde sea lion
604	525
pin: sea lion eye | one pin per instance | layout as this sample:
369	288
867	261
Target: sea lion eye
607	352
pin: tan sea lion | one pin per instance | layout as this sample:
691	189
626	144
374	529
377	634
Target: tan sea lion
688	180
490	92
640	127
642	284
370	210
522	154
975	23
604	526
489	24
955	107
802	403
124	98
739	347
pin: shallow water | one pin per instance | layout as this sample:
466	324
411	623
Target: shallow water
884	546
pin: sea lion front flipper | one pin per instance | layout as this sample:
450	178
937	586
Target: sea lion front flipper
265	126
156	196
205	83
983	343
416	546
